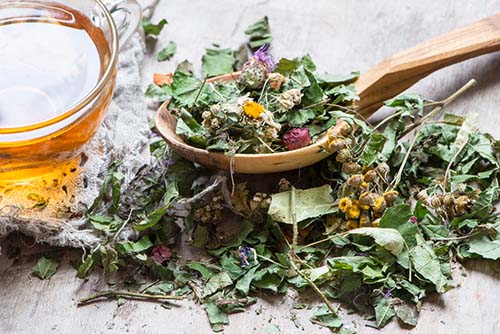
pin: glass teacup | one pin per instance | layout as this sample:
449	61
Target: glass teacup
47	115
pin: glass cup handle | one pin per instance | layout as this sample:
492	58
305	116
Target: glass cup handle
127	15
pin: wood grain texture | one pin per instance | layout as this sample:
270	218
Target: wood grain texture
341	36
402	70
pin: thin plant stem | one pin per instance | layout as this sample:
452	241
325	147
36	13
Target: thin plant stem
314	287
440	105
107	294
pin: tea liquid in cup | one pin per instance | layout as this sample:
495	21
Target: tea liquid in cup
52	57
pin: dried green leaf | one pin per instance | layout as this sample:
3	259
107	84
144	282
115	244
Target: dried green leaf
426	263
259	33
407	314
217	282
324	317
243	284
387	238
384	311
151	29
167	52
45	268
217	62
306	204
216	317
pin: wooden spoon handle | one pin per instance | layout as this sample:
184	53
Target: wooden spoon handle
397	73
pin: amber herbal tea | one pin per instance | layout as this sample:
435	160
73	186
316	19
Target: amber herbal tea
51	58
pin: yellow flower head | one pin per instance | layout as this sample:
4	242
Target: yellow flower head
344	204
352	224
379	205
353	212
253	109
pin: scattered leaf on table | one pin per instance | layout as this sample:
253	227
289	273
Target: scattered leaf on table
45	268
167	52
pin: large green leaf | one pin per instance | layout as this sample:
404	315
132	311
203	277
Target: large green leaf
301	204
426	263
388	238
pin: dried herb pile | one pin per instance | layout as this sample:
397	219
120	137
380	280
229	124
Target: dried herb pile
375	226
269	107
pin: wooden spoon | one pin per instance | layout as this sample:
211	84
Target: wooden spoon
384	81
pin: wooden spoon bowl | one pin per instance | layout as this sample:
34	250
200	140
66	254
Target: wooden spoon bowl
385	80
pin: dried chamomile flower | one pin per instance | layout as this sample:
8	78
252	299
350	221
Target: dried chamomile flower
350	167
260	201
383	169
379	205
336	144
345	129
253	109
370	175
296	95
367	200
343	156
391	196
284	185
276	80
355	180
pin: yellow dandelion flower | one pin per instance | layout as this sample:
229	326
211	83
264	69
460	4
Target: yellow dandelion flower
380	204
253	109
352	224
344	204
353	212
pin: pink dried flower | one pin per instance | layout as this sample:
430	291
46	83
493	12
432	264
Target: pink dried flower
413	219
161	254
296	138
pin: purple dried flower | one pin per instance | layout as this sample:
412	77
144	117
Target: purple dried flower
244	254
296	138
413	219
262	55
161	254
388	293
169	162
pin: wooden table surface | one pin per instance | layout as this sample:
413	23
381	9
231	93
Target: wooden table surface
341	36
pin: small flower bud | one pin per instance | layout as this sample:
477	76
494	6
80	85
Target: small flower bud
345	129
383	169
276	80
370	176
355	180
391	196
350	167
343	155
